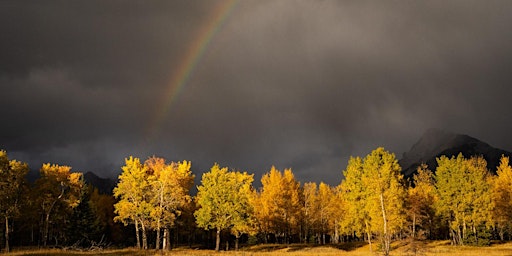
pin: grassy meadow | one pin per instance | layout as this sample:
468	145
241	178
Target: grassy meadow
349	249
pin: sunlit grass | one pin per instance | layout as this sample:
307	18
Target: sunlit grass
357	249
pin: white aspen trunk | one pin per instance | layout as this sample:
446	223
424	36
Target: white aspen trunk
46	228
385	220
414	226
7	235
464	230
157	244
217	241
160	217
165	239
137	236
369	236
336	233
144	236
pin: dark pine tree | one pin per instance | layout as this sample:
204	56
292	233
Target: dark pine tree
83	229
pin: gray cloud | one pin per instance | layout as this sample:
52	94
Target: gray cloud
300	84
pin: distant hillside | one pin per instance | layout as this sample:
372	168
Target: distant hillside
104	185
435	143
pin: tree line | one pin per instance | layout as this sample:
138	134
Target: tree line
461	201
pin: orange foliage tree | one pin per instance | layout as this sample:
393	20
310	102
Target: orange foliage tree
278	207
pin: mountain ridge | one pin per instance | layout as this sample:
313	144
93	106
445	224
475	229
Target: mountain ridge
104	185
436	142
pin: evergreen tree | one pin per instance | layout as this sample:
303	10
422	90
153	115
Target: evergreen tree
83	228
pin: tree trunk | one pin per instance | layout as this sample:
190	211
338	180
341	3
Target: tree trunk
236	242
369	236
158	222
336	233
385	220
370	242
144	236
306	234
165	244
6	234
459	237
217	241
157	244
413	226
46	228
464	230
137	235
475	234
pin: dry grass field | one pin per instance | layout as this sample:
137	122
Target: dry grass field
442	248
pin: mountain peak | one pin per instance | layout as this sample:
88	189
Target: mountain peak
437	142
104	185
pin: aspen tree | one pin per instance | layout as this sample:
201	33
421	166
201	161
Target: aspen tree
279	208
464	196
357	220
502	197
223	200
12	185
421	199
170	186
386	193
375	193
133	193
58	193
310	209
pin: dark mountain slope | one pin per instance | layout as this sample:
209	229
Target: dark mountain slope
435	143
104	185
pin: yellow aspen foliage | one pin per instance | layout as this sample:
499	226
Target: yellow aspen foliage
170	186
58	192
374	193
224	201
354	194
12	185
330	212
133	192
502	197
245	223
279	206
464	197
310	209
384	183
421	199
337	210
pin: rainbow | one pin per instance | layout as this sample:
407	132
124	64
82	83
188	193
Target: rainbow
189	62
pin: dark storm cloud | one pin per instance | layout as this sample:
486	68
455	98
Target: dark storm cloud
301	84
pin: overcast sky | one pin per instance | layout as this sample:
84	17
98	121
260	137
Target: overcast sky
300	84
